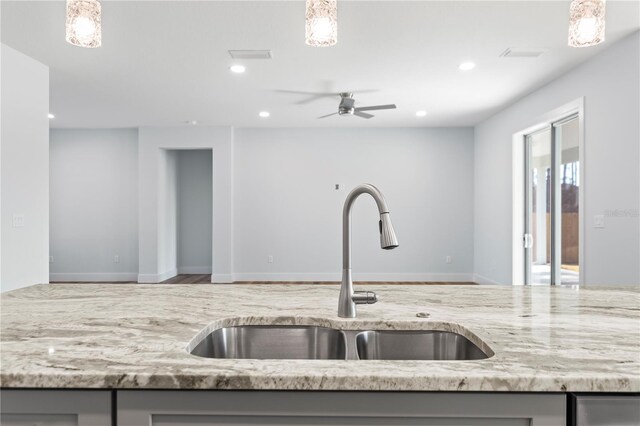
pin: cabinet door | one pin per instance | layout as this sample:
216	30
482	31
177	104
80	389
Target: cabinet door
55	408
184	408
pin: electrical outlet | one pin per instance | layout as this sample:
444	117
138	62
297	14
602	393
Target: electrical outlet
116	258
339	187
598	221
270	259
50	259
18	220
447	259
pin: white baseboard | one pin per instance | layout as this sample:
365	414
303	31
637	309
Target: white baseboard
284	276
157	278
461	277
337	276
221	278
93	276
194	269
479	279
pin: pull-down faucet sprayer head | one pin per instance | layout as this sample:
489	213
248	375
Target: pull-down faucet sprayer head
388	240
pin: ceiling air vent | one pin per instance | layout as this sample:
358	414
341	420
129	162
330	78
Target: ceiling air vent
250	54
522	52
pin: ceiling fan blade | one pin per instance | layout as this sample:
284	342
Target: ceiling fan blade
301	92
376	107
363	114
357	92
328	115
312	96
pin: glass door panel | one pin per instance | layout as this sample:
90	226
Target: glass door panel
567	138
538	222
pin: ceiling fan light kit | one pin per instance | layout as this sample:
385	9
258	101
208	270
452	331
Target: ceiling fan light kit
321	23
83	24
586	22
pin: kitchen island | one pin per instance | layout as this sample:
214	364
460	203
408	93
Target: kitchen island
541	341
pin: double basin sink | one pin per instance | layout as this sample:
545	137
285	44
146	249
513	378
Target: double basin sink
316	343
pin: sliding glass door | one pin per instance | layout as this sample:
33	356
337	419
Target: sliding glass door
552	214
537	238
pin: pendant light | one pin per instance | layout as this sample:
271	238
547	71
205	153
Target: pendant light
321	23
586	22
84	28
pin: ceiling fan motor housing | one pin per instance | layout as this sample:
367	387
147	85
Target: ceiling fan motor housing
347	102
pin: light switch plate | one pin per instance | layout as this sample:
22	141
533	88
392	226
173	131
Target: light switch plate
18	220
598	221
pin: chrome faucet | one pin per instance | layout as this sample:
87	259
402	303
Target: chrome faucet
348	298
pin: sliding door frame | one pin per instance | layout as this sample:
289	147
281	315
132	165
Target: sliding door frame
521	197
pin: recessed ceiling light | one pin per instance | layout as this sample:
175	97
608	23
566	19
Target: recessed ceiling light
192	122
238	69
51	116
264	114
421	113
467	66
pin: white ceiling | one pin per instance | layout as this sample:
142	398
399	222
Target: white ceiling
163	63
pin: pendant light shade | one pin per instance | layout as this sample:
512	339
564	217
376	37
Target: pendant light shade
586	22
322	23
84	28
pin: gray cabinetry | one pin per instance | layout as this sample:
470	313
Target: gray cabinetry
55	408
610	410
184	408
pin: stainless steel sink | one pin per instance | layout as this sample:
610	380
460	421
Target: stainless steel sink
273	342
416	345
314	342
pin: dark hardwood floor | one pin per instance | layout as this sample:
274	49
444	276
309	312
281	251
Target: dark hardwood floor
189	279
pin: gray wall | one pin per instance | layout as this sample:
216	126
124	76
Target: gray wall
285	204
94	211
610	86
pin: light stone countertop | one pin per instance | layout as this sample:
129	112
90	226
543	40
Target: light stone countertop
130	336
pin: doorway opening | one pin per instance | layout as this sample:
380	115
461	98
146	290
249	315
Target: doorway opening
185	216
195	211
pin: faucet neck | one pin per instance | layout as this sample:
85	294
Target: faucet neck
346	217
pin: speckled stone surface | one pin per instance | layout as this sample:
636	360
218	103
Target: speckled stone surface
136	336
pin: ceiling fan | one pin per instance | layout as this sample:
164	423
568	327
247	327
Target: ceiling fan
347	107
